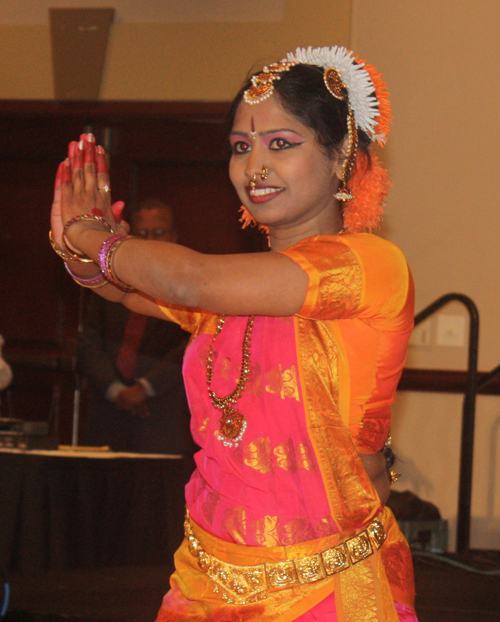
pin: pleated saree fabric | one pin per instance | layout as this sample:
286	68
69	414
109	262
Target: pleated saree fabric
319	393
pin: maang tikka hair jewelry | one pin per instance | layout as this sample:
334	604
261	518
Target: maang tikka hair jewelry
232	423
262	83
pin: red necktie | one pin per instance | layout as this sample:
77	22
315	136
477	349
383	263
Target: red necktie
127	357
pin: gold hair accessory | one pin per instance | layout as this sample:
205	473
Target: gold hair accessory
262	83
343	194
232	423
334	83
76	256
104	188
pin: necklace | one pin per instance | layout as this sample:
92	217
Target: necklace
232	423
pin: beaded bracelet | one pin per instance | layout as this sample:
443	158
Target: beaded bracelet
76	256
106	253
92	283
63	255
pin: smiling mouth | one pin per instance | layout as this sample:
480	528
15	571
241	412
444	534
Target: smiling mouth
260	192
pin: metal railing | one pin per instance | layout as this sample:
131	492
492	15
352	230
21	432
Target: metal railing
468	412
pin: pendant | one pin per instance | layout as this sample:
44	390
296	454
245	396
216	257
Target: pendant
232	427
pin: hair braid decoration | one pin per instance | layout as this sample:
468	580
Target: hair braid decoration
370	185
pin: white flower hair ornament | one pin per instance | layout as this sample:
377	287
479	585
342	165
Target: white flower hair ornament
368	95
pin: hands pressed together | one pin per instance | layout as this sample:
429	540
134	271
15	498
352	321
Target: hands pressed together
82	187
82	205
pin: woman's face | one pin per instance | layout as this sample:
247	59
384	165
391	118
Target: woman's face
301	179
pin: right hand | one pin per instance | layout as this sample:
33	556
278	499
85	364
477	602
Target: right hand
80	189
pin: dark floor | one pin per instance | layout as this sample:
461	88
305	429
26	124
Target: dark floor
445	593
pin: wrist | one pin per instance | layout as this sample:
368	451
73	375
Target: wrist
76	229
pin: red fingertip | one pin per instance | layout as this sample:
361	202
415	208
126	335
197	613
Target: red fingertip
72	148
102	164
89	152
66	171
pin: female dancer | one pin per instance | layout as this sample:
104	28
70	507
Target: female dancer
295	353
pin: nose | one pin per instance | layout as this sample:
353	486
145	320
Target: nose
257	171
256	162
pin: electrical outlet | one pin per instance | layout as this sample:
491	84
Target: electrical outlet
422	335
451	330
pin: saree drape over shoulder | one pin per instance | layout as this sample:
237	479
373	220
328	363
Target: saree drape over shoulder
319	393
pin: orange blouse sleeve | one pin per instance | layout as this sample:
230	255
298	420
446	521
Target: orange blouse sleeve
356	275
188	319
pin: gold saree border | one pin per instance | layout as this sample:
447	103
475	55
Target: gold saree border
323	369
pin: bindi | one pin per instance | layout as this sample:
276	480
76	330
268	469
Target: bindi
253	133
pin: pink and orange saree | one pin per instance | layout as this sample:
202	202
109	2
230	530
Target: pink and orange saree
294	490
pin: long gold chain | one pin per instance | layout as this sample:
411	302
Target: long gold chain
232	423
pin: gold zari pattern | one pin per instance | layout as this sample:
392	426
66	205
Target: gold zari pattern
247	584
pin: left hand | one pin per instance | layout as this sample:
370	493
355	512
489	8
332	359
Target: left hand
82	187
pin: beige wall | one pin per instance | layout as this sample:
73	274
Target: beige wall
440	59
179	61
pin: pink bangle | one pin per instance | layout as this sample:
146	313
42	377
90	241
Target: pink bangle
92	283
106	253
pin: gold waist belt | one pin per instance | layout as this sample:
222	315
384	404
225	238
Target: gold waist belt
245	584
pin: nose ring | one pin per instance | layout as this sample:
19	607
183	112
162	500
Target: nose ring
263	175
253	182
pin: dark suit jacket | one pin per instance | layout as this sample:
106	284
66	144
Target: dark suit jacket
159	360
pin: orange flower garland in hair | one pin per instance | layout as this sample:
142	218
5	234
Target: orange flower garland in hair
369	185
384	119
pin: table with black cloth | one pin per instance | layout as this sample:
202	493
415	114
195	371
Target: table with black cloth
68	509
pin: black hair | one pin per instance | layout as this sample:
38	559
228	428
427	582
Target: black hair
301	91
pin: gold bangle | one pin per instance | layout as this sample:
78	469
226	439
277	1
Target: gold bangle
77	256
63	255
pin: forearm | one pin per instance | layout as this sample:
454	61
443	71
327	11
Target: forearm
252	284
